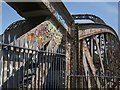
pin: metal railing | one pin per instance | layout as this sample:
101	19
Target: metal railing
28	68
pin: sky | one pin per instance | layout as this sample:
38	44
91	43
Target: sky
108	11
9	15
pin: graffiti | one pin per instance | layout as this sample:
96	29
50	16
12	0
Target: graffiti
43	33
46	33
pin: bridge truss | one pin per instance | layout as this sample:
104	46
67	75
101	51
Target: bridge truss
52	52
96	47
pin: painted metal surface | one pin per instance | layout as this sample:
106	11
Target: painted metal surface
94	18
98	56
98	46
41	35
46	58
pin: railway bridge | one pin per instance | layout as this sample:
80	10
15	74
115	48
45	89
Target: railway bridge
49	51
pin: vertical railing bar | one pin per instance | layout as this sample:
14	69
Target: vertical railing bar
43	78
8	67
52	60
14	43
64	57
45	70
27	60
8	62
41	70
56	72
62	65
53	70
23	71
23	65
13	67
52	66
19	66
56	66
38	57
2	65
35	72
48	69
60	69
32	69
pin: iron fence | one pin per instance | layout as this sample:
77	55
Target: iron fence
24	68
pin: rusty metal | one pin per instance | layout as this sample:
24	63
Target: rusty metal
49	51
94	18
89	29
97	55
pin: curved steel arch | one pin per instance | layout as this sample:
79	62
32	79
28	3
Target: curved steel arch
97	29
94	18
